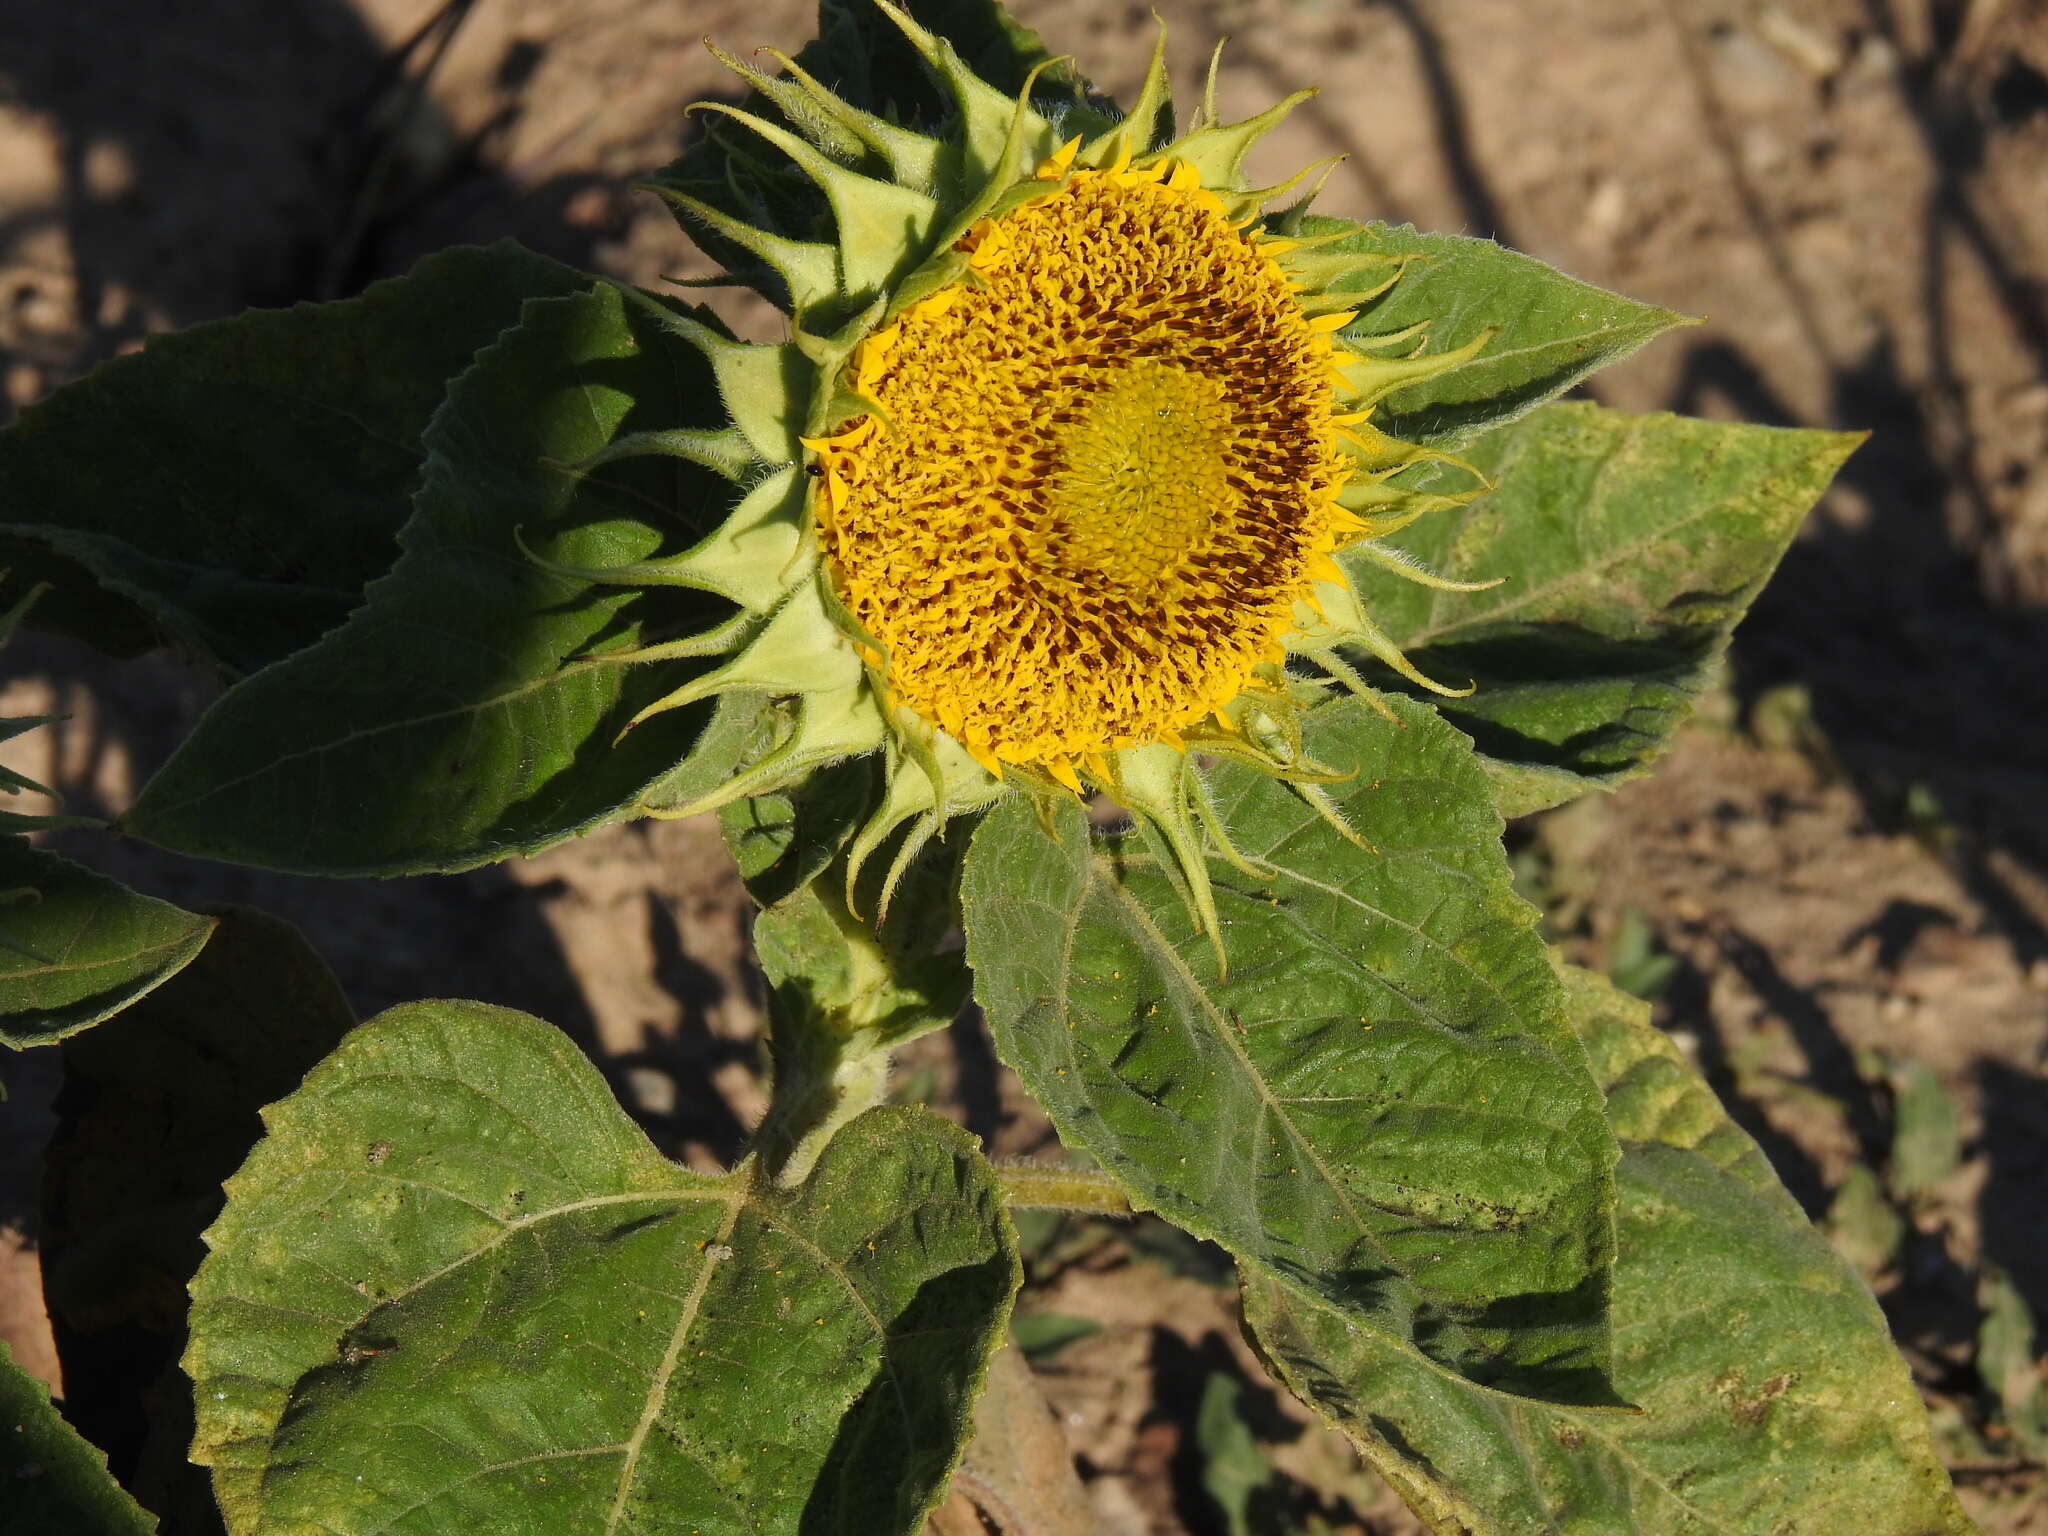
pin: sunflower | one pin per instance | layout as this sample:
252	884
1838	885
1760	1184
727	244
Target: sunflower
1045	489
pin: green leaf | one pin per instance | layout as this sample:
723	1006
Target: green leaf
1863	1224
1041	1335
1382	1102
784	840
1235	1472
1636	961
1551	330
56	1482
1771	1398
469	709
234	486
76	947
456	1289
160	1105
1630	547
2007	1364
1927	1142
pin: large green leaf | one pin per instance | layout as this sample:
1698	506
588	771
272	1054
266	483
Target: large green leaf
159	1106
76	947
1771	1398
1550	330
1630	547
1382	1102
234	486
470	708
456	1289
56	1484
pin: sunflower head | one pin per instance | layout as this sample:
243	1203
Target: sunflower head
1097	475
1049	481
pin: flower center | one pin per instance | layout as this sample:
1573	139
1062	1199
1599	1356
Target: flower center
1142	475
1101	473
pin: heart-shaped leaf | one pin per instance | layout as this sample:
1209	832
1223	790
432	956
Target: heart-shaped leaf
234	486
1381	1103
455	1288
1770	1396
76	947
469	709
1630	546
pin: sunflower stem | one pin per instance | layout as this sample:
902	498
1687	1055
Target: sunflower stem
824	1075
1049	1187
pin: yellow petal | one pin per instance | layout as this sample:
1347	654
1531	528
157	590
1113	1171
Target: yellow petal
1054	166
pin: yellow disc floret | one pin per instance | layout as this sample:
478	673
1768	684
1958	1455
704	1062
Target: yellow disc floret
1100	475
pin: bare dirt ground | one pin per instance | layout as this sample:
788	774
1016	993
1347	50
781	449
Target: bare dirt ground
1840	871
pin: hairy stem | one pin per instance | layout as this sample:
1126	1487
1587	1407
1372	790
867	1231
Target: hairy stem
823	1074
1049	1187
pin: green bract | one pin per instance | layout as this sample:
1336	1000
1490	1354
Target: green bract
546	552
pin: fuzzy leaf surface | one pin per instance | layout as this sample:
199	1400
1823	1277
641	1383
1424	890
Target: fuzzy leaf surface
456	1289
1381	1104
1551	330
1632	546
76	947
56	1481
234	486
1771	1397
469	709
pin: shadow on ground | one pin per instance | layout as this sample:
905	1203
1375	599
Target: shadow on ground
217	155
